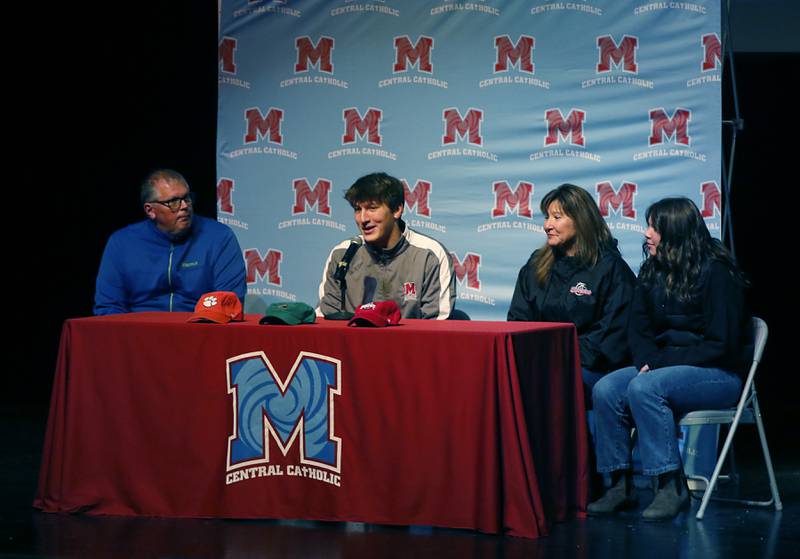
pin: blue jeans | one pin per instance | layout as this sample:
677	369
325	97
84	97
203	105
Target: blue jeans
652	402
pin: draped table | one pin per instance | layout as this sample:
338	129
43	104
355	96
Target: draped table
462	424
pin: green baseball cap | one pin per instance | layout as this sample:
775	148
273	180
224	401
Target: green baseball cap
288	313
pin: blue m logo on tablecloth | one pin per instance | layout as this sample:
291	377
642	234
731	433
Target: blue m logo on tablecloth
297	410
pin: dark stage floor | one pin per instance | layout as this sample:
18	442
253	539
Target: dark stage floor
727	530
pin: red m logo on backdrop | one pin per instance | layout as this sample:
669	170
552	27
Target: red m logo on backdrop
712	199
259	126
419	54
676	127
712	51
620	201
468	269
521	53
455	126
571	128
613	54
227	48
224	200
418	196
368	126
305	196
268	268
310	55
519	199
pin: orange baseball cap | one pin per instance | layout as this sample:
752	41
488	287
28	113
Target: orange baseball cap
218	306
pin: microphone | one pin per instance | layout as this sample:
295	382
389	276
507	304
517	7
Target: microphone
344	263
339	275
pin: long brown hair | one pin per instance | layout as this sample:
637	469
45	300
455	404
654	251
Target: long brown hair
591	232
685	248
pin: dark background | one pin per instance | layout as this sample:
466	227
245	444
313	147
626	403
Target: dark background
129	91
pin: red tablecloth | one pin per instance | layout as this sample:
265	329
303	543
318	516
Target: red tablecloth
462	424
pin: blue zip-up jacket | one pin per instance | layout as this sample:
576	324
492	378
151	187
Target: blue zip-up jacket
145	269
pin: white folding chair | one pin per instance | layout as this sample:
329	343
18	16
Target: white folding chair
747	411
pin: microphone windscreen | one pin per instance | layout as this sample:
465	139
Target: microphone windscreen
370	286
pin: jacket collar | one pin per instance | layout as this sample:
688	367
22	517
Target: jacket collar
169	237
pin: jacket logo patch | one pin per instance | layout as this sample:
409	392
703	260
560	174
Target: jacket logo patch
580	289
194	264
409	291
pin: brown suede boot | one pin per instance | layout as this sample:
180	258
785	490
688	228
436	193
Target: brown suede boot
620	496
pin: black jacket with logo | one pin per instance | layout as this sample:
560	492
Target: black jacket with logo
595	299
711	330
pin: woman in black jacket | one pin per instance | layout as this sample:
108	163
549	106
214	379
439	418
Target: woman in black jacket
690	338
578	276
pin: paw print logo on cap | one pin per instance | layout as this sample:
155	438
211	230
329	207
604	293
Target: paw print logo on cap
218	306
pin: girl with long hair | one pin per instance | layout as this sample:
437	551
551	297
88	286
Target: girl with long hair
691	340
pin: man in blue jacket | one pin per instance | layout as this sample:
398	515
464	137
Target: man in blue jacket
167	261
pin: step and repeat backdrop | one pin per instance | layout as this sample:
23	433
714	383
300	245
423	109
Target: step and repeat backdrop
480	108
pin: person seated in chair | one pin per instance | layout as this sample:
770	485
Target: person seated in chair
691	341
578	276
391	261
167	261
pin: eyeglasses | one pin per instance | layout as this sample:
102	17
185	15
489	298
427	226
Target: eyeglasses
174	204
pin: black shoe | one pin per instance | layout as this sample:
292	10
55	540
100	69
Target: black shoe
671	497
620	496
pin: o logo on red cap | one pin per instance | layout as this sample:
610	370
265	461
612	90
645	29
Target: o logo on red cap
209	301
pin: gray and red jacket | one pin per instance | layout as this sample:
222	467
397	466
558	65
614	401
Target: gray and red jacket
417	274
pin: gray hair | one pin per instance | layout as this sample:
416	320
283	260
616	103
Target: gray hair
147	189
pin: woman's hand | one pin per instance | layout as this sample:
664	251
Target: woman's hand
644	369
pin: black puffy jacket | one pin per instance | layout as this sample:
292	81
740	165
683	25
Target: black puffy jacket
711	330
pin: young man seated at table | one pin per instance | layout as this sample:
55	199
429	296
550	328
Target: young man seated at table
393	262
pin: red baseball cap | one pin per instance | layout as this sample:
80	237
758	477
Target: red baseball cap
384	313
218	306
